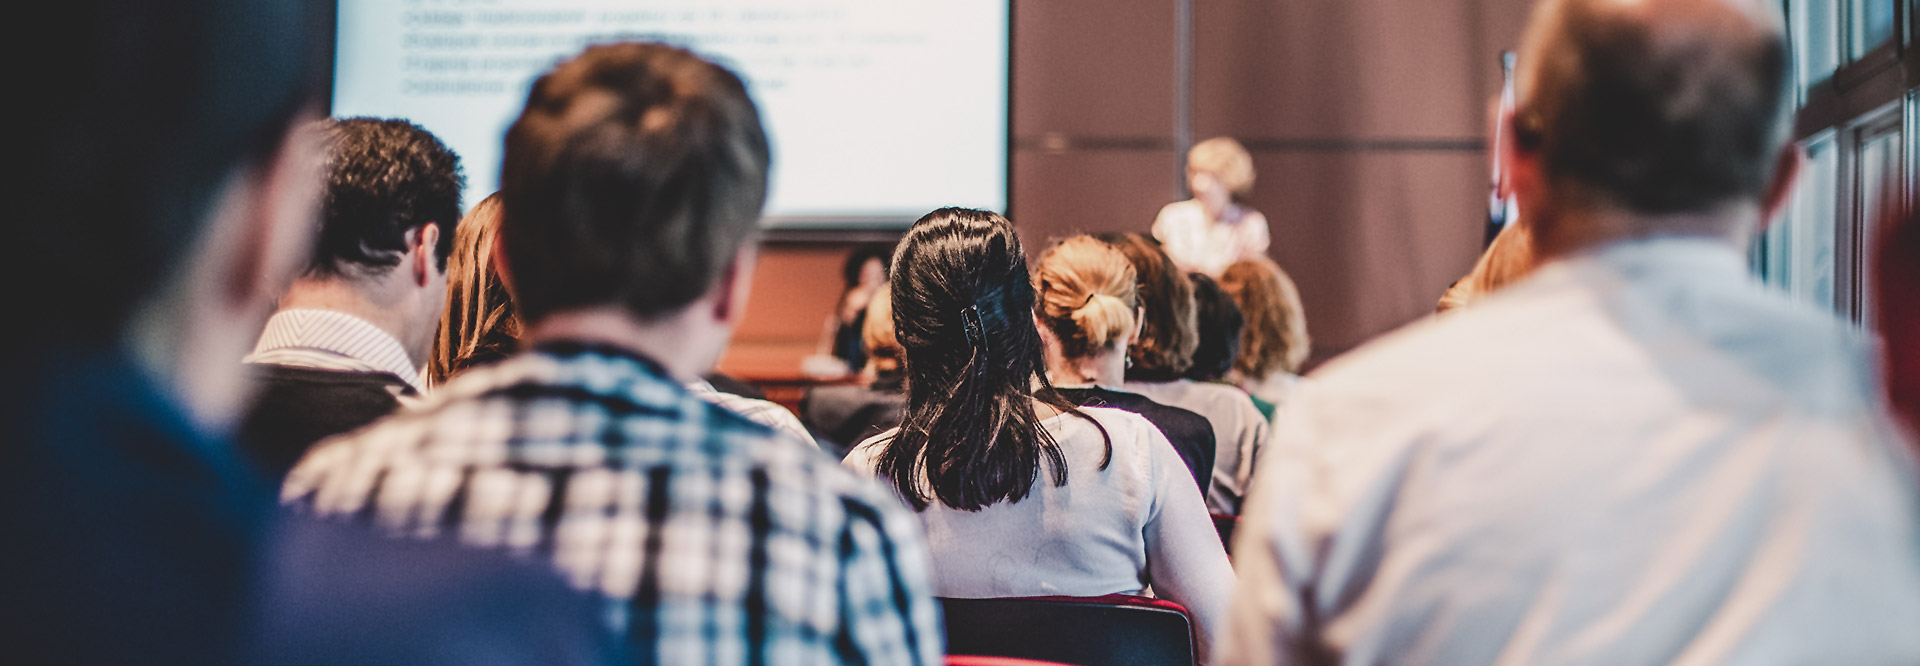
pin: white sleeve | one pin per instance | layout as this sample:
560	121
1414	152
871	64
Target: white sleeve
1258	237
1311	530
1185	562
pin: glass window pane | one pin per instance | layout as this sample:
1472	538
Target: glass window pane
1879	183
1816	40
1809	250
1871	25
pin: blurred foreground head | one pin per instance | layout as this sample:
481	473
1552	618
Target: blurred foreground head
1642	118
633	179
163	202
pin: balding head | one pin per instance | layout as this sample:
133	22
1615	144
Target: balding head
1654	107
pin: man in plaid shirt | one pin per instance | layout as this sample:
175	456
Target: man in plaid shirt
632	185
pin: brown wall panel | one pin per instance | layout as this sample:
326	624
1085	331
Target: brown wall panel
1090	191
794	290
1372	239
1093	67
1341	69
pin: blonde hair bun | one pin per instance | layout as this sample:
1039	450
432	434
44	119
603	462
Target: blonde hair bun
1103	319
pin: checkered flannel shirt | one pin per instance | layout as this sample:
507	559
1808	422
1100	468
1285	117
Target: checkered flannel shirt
713	539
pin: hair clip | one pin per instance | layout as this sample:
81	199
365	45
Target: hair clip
976	332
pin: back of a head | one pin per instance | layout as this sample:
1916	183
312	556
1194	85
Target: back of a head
633	178
385	179
1275	338
1167	340
480	324
137	119
1086	295
1655	106
1218	323
963	310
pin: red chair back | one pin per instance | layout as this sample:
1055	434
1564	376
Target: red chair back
1111	630
1897	306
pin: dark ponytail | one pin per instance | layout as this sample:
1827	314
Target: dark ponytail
963	311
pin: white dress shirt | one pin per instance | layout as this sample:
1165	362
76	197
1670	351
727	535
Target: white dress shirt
1637	456
1240	431
1139	522
329	340
1200	245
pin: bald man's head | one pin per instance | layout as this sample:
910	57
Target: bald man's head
1654	106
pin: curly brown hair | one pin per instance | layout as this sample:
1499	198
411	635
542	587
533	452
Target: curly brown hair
1275	338
1164	350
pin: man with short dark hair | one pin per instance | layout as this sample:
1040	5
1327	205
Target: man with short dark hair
632	189
353	332
165	198
1638	455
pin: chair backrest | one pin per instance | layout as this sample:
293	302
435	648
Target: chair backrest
1113	630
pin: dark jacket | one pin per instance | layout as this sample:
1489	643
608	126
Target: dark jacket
298	407
1190	433
131	537
841	417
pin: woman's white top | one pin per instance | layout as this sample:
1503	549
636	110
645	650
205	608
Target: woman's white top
1138	523
1239	432
1200	245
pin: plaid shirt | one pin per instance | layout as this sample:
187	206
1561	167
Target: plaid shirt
712	538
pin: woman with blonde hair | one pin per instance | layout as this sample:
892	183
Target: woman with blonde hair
1216	227
1508	259
1274	344
1089	316
480	325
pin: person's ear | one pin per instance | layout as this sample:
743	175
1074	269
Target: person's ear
1786	173
735	282
425	250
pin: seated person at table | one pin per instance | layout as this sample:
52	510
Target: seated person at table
848	415
1088	317
1274	344
482	326
354	330
1022	493
1162	355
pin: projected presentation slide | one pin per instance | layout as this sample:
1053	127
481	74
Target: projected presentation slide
878	110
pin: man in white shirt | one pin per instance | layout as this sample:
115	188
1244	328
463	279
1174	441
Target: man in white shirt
1636	456
353	332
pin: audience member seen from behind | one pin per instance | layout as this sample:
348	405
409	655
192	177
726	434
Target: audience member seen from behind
1217	323
479	326
1088	314
1638	455
1021	493
353	331
1507	260
1215	227
587	449
1274	345
848	415
1161	359
865	274
171	200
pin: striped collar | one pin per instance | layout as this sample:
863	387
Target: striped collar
330	340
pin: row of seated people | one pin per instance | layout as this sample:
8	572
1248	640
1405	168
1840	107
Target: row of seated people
1634	455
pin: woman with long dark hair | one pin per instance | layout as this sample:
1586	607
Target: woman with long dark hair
1021	493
